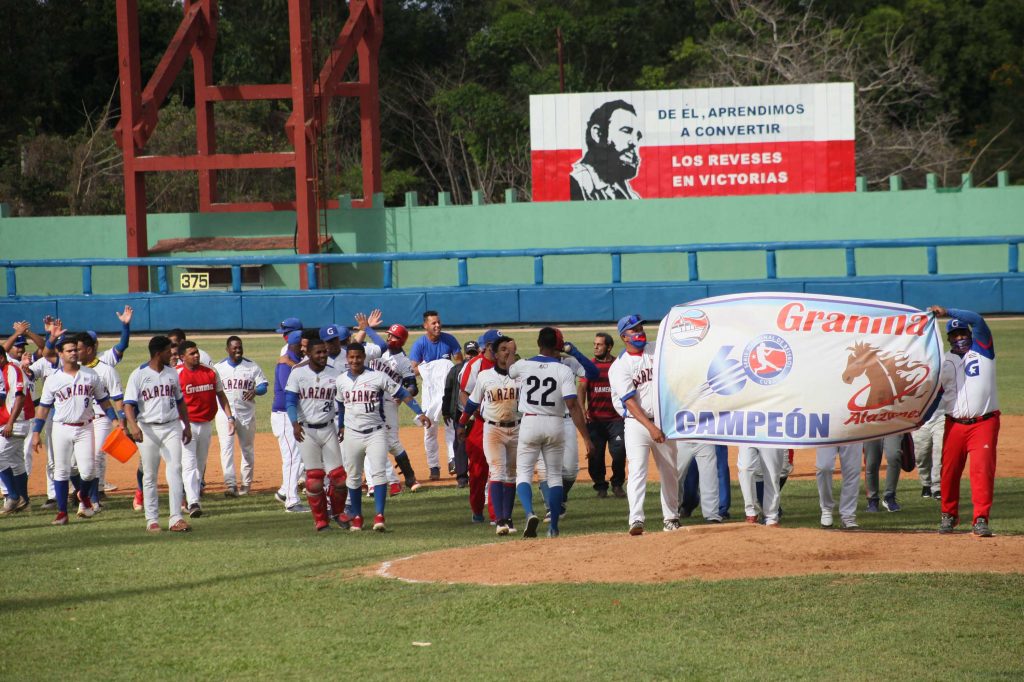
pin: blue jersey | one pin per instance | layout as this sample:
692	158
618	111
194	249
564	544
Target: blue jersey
424	350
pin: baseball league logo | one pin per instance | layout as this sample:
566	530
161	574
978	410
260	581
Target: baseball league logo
891	377
689	328
767	359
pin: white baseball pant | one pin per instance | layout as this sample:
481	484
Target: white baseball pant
394	444
771	461
432	446
193	460
358	446
73	445
246	434
12	455
320	448
161	441
100	429
638	444
48	437
707	467
389	471
291	461
501	445
928	451
849	466
540	436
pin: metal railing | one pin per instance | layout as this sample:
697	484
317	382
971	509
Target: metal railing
462	258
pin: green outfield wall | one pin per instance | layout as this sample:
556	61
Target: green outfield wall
933	212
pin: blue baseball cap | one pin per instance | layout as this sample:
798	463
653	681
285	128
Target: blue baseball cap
20	341
488	337
628	322
294	337
288	325
331	332
955	324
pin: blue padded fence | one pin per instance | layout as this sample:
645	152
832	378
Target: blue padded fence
526	303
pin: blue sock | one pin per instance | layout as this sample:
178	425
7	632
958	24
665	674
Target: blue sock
524	491
497	492
94	490
544	490
555	493
508	499
380	496
60	489
7	476
355	497
21	482
138	478
759	486
76	481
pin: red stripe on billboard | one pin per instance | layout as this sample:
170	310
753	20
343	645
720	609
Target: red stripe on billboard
716	170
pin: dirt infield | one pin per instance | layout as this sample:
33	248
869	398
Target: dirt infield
729	551
268	462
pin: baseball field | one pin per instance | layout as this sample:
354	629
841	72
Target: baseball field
255	593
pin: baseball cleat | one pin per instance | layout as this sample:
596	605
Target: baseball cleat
85	512
244	490
947	524
413	485
751	519
602	493
501	528
395	489
547	516
872	505
478	518
826	519
531	526
297	508
24	504
49	504
279	497
617	491
109	487
344	520
321	527
435	473
153	527
194	510
713	521
981	528
771	524
451	468
10	506
180	526
926	491
137	501
231	492
378	523
890	504
849	524
356	524
552	532
636	528
61	520
937	494
670	525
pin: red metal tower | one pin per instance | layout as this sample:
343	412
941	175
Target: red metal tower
196	36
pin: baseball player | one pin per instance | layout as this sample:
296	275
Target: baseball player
968	381
287	326
928	453
892	447
15	409
100	424
604	423
14	346
547	389
477	465
177	338
433	346
496	395
39	371
396	364
689	486
310	398
242	380
849	466
202	390
291	461
158	421
706	461
360	392
632	381
771	462
69	394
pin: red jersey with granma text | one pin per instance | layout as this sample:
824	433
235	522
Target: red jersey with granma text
199	387
599	395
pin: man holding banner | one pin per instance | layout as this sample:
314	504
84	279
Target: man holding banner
968	379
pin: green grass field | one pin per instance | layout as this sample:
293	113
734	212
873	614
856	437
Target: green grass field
255	593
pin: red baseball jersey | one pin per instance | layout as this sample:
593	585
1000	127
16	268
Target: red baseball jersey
599	395
199	387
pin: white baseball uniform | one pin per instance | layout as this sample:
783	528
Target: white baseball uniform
771	461
928	450
825	465
317	412
707	466
362	398
632	376
238	380
544	386
497	394
155	396
101	424
40	370
397	367
70	398
12	450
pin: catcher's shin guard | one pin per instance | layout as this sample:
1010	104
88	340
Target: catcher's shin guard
337	490
316	498
405	466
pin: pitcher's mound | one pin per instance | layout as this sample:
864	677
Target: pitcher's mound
724	552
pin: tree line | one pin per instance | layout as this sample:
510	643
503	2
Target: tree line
939	87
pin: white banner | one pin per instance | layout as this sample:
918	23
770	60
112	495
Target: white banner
794	370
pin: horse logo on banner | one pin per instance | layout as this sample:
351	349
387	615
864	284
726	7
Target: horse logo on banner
891	377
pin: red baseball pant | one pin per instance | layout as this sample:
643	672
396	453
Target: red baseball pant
979	441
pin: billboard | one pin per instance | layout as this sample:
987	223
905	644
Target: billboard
794	370
778	139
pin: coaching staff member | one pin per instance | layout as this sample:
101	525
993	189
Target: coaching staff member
603	422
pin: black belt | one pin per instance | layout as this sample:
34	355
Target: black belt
376	428
507	425
317	426
975	420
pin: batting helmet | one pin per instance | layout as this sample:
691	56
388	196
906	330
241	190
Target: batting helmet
399	335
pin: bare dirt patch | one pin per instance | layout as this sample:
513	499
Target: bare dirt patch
727	552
